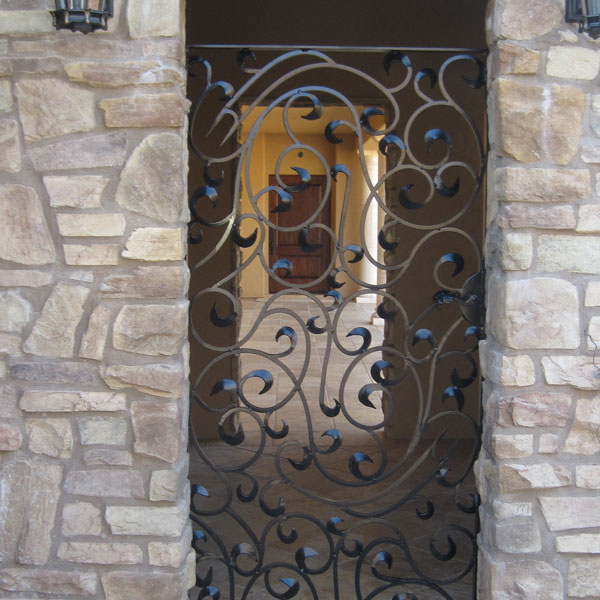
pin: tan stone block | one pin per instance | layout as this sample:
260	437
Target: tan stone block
162	554
51	437
10	147
100	553
105	483
157	429
19	22
514	20
51	107
73	583
162	521
119	74
96	254
14	312
108	431
144	110
590	152
589	219
518	184
518	537
583	577
511	510
10	344
567	105
94	339
576	371
524	580
592	294
508	370
26	238
512	446
571	512
145	282
540	409
513	477
573	62
22	278
104	456
587	476
520	216
81	518
163	48
53	333
152	182
92	225
154	244
576	254
10	437
517	60
52	401
164	485
154	18
158	379
548	444
584	437
151	329
582	543
6	99
81	153
82	191
517	251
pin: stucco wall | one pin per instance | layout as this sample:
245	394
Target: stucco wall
93	313
539	472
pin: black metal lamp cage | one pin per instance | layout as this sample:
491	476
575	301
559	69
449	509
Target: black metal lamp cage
82	15
587	14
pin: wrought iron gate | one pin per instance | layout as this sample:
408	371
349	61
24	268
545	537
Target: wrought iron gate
333	451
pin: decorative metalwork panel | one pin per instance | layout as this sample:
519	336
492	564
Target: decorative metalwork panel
335	418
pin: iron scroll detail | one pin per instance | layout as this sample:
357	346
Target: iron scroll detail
331	445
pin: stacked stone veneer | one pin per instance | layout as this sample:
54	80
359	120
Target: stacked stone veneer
93	315
539	472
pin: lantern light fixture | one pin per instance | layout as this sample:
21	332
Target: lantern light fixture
82	15
587	14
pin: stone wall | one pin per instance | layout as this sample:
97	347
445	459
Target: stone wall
539	472
93	313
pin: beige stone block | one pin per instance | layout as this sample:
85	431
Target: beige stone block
81	518
576	371
91	225
521	216
94	339
571	512
151	329
162	554
10	437
513	477
518	537
51	437
53	333
582	543
51	107
26	238
22	278
514	20
107	431
519	184
14	312
162	521
10	344
152	183
52	401
119	74
154	18
517	251
568	35
95	254
100	553
120	585
6	99
511	510
10	147
105	483
154	244
19	22
575	254
82	191
145	282
164	485
517	60
158	379
506	370
190	563
548	444
592	294
83	276
77	46
587	476
512	446
105	456
70	583
157	429
584	437
590	152
524	580
589	219
573	62
593	334
563	123
540	409
144	110
163	48
88	152
583	577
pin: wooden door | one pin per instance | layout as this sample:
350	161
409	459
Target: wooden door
307	266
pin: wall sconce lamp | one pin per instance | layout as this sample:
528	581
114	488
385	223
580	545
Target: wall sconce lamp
587	14
82	15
